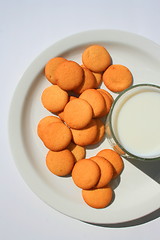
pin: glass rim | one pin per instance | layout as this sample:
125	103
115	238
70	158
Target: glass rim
111	128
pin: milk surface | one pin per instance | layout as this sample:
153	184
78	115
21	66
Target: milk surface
137	124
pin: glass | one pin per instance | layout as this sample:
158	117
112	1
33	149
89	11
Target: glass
112	131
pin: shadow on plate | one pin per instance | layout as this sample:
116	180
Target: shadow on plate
139	221
115	182
151	168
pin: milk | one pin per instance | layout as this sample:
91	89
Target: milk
136	122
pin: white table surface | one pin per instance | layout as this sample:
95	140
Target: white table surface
27	27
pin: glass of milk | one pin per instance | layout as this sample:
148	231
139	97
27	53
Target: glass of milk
133	124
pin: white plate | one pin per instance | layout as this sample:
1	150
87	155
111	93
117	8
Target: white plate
136	194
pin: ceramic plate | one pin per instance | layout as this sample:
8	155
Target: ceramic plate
136	194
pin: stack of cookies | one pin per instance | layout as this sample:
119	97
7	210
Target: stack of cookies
78	106
93	176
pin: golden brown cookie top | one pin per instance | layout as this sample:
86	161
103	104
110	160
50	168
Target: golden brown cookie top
78	113
50	68
60	163
44	122
98	198
86	135
117	78
54	98
86	174
57	136
69	75
96	58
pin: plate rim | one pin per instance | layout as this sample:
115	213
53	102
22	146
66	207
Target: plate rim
81	38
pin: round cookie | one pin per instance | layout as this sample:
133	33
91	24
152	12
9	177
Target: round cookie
57	136
114	158
78	152
78	113
86	174
69	75
105	110
107	99
96	58
89	81
106	171
98	77
61	114
98	198
54	98
96	100
50	68
60	163
117	78
44	122
85	136
100	132
109	95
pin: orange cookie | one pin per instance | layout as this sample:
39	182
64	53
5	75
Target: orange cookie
69	75
44	122
98	77
89	81
107	99
105	110
106	171
61	114
54	98
96	58
98	198
86	174
96	100
78	152
78	113
100	132
109	95
117	78
60	163
51	66
85	136
57	136
114	158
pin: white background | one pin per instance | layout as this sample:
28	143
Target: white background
27	27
